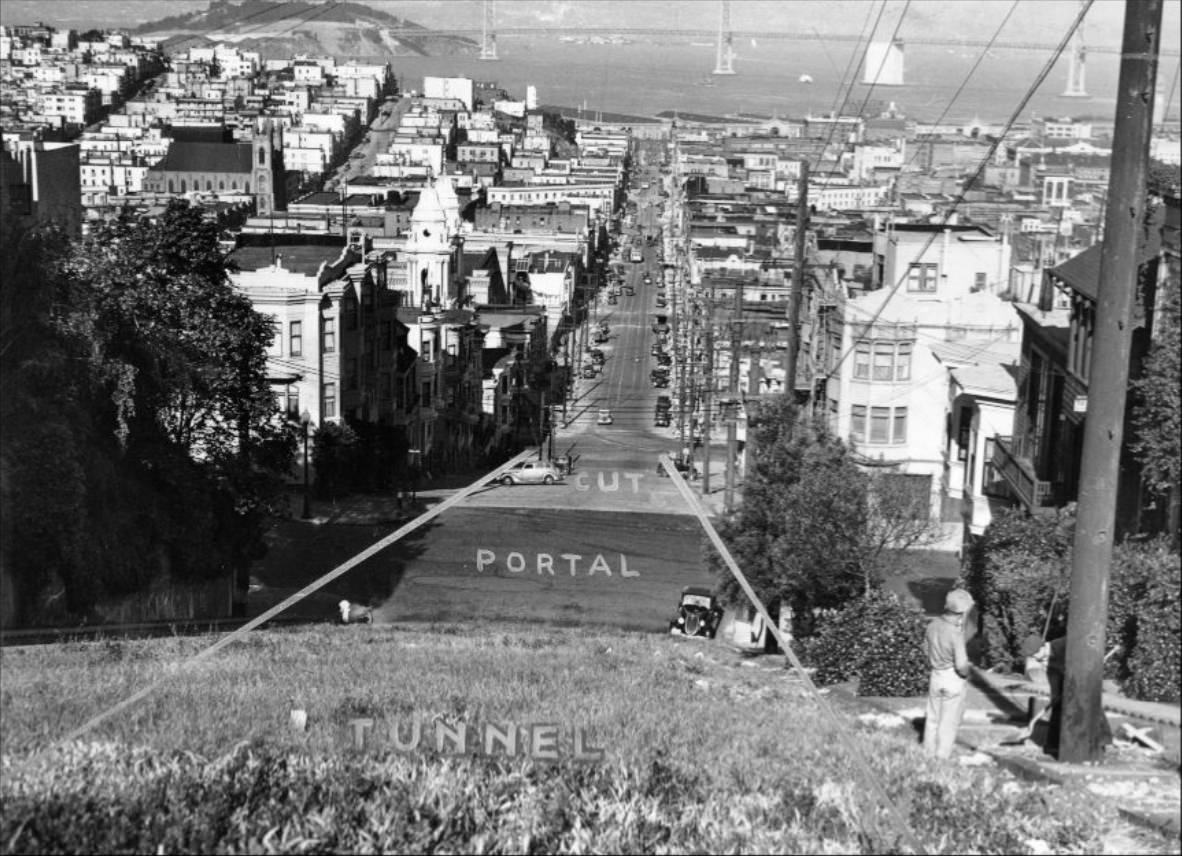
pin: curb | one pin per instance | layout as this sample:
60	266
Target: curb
1030	770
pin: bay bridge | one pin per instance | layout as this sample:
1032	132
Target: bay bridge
725	35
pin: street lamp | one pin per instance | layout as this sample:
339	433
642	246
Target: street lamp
306	421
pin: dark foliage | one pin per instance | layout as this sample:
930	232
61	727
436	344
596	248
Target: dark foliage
140	433
877	640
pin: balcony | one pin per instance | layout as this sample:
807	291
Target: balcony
1016	468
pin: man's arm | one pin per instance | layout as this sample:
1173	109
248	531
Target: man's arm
960	656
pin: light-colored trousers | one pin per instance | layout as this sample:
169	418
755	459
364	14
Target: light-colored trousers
946	697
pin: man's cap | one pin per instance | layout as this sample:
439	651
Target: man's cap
958	601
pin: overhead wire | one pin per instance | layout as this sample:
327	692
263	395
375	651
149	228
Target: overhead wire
968	185
980	57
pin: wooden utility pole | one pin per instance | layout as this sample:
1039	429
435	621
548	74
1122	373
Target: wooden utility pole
732	426
802	213
1108	384
708	402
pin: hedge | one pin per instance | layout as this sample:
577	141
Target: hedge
876	639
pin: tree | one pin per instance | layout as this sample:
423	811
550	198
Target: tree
1157	405
146	373
814	528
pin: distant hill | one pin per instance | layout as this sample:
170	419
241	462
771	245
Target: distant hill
278	30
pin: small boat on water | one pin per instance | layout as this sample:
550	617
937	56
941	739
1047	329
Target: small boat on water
806	78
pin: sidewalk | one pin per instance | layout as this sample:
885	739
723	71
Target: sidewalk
1143	785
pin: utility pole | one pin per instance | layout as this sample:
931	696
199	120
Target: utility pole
542	426
802	213
1108	382
732	425
708	403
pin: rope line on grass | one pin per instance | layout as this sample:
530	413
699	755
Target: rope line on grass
291	600
861	764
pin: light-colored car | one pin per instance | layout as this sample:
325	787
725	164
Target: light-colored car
531	472
605	417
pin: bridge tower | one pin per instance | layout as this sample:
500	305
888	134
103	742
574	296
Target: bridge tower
725	62
488	37
1075	67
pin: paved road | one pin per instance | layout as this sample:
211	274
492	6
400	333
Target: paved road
614	544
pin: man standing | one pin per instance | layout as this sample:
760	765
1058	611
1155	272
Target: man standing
945	649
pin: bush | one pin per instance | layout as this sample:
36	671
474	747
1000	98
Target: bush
1145	606
876	639
1017	570
1020	572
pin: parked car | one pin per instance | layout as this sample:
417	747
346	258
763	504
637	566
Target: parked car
531	472
597	357
605	417
589	372
664	359
661	301
655	350
629	290
698	613
648	280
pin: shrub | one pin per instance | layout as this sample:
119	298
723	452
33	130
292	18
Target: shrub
876	639
1018	573
1146	605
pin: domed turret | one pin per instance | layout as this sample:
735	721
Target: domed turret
449	202
428	222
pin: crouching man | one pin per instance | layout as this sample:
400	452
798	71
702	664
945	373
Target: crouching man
944	646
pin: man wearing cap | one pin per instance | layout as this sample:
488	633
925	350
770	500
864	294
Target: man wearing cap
945	649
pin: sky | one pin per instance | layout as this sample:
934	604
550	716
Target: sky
1037	20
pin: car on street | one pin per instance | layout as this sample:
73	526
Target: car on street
655	350
699	613
648	280
531	472
597	357
589	372
629	290
605	417
664	359
661	301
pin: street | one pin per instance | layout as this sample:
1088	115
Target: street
613	543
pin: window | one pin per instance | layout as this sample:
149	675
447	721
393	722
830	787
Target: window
862	360
350	309
964	434
880	424
330	400
979	281
884	357
297	339
921	277
903	361
426	393
351	373
900	435
858	422
330	335
291	403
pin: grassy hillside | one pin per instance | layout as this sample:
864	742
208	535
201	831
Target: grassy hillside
280	29
703	751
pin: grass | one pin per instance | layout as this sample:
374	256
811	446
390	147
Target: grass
701	753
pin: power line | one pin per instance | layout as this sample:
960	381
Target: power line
980	57
968	185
